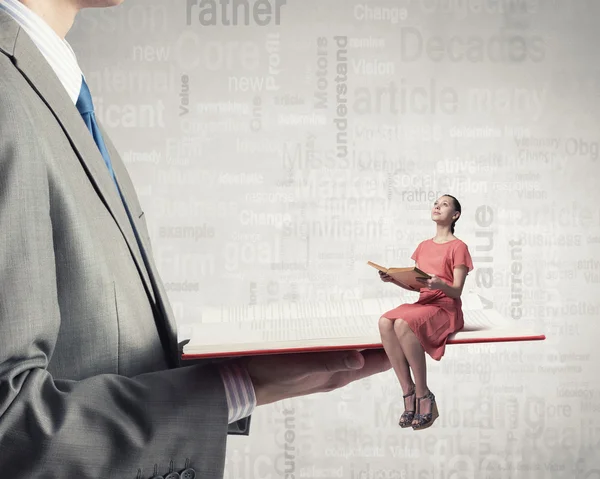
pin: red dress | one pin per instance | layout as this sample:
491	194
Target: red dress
434	316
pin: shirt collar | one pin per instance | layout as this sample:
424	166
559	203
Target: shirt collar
57	51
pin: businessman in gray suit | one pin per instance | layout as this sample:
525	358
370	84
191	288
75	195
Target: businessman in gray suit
91	385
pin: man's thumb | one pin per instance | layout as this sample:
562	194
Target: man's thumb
345	361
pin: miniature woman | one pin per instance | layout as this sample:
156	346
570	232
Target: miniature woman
413	329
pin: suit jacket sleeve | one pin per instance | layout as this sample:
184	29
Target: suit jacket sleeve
103	426
240	427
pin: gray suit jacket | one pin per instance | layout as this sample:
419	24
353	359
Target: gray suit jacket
90	380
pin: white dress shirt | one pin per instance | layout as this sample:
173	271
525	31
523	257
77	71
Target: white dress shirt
241	398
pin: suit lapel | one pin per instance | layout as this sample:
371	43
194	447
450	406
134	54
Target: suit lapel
8	33
33	66
128	191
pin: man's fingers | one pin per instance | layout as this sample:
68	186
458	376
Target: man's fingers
355	364
326	362
350	360
362	363
375	361
332	362
308	373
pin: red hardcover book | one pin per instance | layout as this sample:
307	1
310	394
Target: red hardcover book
324	326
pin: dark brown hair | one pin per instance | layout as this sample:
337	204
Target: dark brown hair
457	207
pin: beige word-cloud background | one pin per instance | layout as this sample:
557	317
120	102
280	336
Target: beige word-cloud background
279	145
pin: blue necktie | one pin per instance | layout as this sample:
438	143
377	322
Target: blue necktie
85	106
86	109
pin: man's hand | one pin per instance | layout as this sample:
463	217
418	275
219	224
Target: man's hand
278	377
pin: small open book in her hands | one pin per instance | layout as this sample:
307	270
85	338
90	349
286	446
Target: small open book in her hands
407	276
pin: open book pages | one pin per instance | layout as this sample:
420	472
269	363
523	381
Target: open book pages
407	276
309	326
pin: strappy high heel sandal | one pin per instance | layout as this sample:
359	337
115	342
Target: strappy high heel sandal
407	416
425	420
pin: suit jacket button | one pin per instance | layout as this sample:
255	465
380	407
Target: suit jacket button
189	473
173	475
